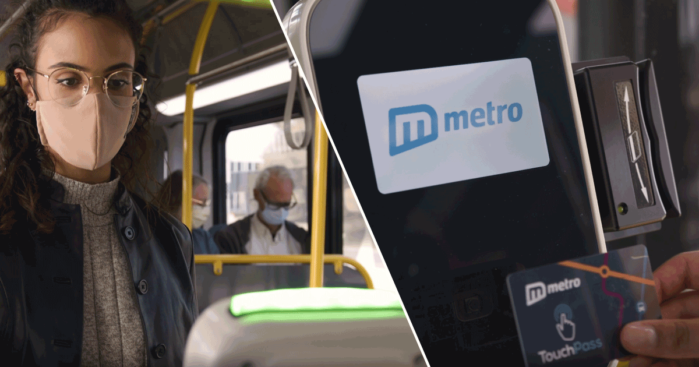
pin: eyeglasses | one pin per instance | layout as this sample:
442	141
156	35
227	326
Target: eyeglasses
69	86
275	206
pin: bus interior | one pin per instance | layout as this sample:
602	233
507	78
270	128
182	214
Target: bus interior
238	129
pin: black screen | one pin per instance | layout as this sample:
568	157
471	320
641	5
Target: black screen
445	243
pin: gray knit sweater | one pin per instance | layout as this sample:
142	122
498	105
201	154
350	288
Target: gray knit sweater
112	327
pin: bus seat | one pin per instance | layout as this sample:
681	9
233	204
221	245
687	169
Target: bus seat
304	327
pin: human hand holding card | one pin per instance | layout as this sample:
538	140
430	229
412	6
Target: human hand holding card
571	313
673	341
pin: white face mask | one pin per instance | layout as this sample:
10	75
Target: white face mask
199	215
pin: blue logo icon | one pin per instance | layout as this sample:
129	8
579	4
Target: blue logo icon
562	309
479	117
408	141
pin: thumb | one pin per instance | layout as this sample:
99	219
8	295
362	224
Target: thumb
672	339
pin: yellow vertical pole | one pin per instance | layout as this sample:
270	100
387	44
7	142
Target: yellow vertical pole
188	124
320	175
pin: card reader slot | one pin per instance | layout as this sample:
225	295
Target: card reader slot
626	143
632	127
660	150
634	147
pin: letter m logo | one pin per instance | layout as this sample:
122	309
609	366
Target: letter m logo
407	128
535	292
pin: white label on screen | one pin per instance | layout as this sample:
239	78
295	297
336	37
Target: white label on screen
434	126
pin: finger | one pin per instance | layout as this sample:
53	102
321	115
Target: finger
682	306
672	339
665	363
676	363
676	275
563	318
641	361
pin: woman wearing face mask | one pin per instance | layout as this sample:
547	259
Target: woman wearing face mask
170	197
90	274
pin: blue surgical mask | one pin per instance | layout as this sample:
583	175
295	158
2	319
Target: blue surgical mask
275	216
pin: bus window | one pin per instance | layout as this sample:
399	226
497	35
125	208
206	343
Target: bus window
251	150
358	244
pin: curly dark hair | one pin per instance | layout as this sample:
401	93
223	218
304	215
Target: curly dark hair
23	159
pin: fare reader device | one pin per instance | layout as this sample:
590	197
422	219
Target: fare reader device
462	135
628	147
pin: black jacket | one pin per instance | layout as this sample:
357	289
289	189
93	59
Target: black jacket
233	238
41	284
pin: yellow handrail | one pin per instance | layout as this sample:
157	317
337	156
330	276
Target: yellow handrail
320	175
153	23
188	124
170	17
320	169
338	260
265	4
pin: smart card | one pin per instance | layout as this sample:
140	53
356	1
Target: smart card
571	313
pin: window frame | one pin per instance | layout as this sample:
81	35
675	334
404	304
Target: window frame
259	114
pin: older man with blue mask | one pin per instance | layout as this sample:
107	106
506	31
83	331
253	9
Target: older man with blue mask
267	232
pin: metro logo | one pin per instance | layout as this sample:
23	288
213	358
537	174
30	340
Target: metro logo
408	142
447	124
478	118
536	292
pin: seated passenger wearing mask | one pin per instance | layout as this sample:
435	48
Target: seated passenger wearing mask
267	232
170	197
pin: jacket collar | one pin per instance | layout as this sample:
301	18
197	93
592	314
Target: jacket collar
122	198
58	192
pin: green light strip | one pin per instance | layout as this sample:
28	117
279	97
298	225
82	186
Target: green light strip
313	299
320	316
